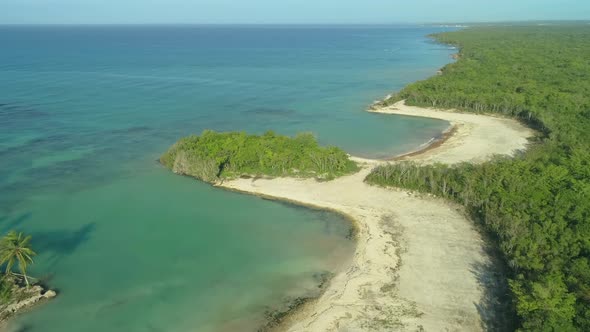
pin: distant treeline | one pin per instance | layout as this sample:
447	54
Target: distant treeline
215	156
537	205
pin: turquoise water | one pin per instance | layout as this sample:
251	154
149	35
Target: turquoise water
86	111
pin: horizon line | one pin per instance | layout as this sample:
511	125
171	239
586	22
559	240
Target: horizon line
305	24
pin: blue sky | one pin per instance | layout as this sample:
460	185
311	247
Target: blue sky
287	11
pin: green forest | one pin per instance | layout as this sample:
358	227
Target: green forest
536	205
214	156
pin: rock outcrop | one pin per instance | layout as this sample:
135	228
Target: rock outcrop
22	298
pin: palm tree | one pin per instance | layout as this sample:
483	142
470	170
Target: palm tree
16	248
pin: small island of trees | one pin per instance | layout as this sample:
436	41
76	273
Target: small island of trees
214	156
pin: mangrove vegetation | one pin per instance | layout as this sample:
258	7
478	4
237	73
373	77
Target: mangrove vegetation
214	156
536	205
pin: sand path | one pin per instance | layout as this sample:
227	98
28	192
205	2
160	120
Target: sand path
419	262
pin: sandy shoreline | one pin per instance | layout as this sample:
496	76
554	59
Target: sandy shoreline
475	138
419	262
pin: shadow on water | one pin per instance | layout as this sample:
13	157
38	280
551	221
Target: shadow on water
57	244
61	243
495	308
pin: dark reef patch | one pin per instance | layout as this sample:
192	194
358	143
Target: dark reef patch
131	130
269	111
20	112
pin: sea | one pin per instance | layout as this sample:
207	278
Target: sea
85	112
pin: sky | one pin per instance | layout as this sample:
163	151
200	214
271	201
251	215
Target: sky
286	11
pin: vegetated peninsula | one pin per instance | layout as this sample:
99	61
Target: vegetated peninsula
419	263
214	156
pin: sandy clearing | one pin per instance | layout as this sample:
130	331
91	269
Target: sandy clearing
419	262
477	137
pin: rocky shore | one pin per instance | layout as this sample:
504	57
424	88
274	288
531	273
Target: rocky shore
23	298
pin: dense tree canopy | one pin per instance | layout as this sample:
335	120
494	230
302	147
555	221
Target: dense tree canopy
214	156
538	204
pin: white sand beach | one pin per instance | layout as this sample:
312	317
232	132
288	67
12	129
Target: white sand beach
419	261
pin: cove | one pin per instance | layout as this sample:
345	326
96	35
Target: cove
85	112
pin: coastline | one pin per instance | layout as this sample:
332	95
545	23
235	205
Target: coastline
25	299
447	274
470	134
432	144
301	303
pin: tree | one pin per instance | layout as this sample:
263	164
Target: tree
16	248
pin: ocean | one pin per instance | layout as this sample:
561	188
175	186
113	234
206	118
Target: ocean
85	111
